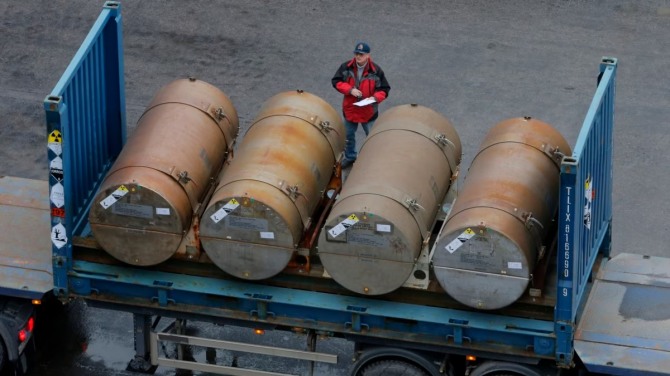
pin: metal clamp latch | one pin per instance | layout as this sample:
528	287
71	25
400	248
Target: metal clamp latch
325	126
183	177
413	204
535	227
220	114
444	141
293	192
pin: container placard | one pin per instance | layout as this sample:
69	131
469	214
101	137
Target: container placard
225	210
114	197
343	226
460	240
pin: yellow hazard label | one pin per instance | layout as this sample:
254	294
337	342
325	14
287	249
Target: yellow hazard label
353	217
55	136
469	231
233	201
122	188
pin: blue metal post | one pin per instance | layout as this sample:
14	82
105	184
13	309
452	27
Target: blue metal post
86	129
585	208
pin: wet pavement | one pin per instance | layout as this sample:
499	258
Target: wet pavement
477	62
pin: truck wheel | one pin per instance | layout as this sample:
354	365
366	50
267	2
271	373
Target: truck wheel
3	355
392	367
493	368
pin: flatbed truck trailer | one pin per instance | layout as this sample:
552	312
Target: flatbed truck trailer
584	311
25	268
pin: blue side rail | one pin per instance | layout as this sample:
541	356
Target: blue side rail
585	208
86	127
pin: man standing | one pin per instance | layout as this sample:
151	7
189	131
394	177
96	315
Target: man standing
358	79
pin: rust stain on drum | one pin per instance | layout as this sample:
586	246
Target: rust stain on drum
509	196
395	188
180	143
281	169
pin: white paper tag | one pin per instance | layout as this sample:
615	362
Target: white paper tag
460	240
343	226
514	265
162	211
225	210
267	235
383	228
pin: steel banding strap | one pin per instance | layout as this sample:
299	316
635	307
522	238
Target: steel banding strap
551	152
298	198
415	210
440	140
215	113
174	173
526	218
323	126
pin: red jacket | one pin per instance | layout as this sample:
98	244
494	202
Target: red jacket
373	84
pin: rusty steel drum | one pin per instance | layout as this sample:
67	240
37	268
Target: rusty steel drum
389	202
146	202
495	231
268	193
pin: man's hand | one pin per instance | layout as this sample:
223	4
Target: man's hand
356	93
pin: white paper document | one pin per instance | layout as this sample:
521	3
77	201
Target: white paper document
365	102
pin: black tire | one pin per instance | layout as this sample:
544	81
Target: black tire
493	368
3	355
392	367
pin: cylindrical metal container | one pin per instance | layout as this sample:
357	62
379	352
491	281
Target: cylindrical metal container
489	245
146	202
390	199
268	193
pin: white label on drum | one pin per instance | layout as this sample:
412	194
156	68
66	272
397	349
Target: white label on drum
383	228
162	211
460	240
343	226
114	197
514	265
267	235
225	210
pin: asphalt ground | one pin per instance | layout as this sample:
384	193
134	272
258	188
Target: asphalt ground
477	62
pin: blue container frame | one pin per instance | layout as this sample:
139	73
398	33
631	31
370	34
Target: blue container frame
87	107
86	119
584	223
